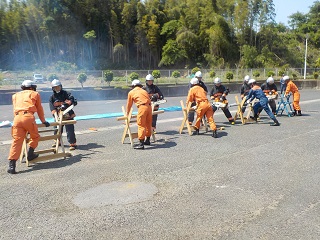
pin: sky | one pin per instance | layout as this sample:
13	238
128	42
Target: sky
284	8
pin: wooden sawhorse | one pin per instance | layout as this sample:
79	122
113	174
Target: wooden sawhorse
57	137
240	114
127	133
185	123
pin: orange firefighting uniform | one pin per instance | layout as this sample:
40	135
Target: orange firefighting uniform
198	95
291	87
144	118
25	104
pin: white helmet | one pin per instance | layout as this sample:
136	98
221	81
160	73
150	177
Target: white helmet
198	74
55	82
217	80
270	80
251	81
135	82
247	78
149	77
27	83
286	78
194	81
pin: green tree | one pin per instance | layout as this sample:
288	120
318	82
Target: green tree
82	77
172	54
134	76
90	36
195	69
175	74
229	76
156	74
249	56
212	74
108	76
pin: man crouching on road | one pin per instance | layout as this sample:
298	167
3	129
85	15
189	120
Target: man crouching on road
199	95
144	118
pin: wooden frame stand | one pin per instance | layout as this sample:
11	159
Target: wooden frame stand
127	132
240	114
185	123
57	137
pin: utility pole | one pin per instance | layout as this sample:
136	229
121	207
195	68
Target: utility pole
305	58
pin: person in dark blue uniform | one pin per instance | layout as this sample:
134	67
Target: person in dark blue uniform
283	84
256	92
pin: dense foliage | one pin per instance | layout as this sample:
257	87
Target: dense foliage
149	34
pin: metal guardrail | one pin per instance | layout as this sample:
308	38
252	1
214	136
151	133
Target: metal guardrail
122	77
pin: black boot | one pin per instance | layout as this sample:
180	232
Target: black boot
214	134
196	132
31	154
255	117
299	113
12	167
147	141
140	146
276	123
294	113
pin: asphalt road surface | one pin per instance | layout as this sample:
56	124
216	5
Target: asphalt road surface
253	182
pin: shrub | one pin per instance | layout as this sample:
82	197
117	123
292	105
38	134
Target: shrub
175	74
108	76
256	74
229	76
133	76
270	73
82	77
194	70
156	74
294	76
212	74
280	73
315	75
52	76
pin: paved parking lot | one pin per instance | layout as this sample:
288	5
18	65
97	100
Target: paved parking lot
253	182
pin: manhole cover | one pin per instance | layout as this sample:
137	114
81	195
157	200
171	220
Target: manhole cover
115	193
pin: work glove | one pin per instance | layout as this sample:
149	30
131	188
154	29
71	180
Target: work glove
248	101
222	98
46	124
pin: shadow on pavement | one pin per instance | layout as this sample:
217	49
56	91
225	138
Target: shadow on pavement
59	163
89	146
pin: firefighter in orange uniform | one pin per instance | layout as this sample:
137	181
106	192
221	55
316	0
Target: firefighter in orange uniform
25	104
144	118
199	95
291	87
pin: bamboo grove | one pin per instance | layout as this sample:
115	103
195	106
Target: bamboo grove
150	34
